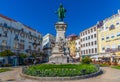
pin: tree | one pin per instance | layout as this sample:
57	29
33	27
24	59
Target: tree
6	53
86	60
22	55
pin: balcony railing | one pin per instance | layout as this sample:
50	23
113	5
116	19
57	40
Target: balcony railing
4	47
112	50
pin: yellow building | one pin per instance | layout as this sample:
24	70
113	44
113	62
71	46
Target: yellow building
109	36
72	45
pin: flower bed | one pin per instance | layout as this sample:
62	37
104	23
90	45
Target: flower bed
63	70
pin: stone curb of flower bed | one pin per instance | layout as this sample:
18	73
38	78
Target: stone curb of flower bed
61	78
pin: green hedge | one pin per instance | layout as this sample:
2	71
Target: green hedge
4	70
50	70
116	67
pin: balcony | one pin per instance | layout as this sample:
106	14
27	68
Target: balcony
4	47
113	50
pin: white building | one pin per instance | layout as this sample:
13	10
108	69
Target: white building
88	42
18	37
47	44
77	41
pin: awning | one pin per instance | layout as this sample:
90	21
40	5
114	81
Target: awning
98	56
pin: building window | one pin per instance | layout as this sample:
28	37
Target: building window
94	28
21	46
92	43
89	43
91	36
112	36
5	24
86	51
81	40
86	44
94	35
88	31
119	47
92	50
107	37
5	34
108	48
106	27
88	37
103	48
91	30
89	51
112	27
102	38
95	42
95	50
4	43
117	23
16	45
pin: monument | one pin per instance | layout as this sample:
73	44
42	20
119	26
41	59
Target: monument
60	50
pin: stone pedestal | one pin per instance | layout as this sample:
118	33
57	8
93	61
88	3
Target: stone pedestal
58	55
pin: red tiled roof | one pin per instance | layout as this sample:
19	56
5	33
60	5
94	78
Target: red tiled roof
15	21
7	18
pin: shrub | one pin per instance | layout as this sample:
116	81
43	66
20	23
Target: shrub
22	55
86	60
7	65
63	70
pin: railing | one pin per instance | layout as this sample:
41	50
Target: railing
4	47
112	50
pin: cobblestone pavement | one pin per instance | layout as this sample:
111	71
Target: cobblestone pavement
109	75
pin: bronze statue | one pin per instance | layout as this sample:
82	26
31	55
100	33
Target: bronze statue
61	12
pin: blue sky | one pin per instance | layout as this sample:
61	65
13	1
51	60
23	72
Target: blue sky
39	14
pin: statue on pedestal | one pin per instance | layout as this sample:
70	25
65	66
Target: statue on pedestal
60	50
61	12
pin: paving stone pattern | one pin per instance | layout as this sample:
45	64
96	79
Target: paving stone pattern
109	75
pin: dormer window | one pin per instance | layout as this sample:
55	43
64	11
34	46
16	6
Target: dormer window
112	27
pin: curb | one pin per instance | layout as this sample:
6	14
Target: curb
61	78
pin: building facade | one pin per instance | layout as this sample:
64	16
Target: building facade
18	37
109	36
47	44
77	41
88	41
71	40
